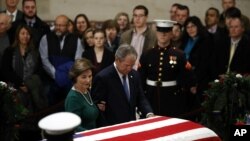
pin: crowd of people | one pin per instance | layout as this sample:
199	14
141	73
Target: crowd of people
125	69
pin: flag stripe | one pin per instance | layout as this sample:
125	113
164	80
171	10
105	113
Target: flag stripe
199	134
123	125
157	132
153	129
136	129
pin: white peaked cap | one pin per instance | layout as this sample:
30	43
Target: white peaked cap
59	123
164	23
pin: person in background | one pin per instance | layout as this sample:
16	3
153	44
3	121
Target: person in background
111	29
81	24
226	4
79	99
177	35
88	38
117	89
234	55
198	46
12	11
5	24
164	74
173	10
30	18
122	19
71	26
141	37
58	50
99	55
182	14
21	66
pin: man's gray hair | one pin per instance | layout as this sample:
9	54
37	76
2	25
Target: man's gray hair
125	50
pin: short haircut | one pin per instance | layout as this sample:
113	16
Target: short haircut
142	7
125	50
110	24
183	7
232	12
26	1
214	9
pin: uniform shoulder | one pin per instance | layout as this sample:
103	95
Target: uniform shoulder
177	50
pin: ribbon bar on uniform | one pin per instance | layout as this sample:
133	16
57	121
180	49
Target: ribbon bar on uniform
161	83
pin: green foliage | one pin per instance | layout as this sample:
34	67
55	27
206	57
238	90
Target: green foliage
227	102
11	108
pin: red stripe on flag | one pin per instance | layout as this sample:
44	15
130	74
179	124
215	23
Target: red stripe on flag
126	125
157	132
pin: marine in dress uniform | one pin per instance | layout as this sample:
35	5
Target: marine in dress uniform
164	74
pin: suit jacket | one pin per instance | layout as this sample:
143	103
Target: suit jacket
240	61
39	29
19	14
107	86
150	38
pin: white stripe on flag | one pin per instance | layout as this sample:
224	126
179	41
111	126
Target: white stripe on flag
194	134
134	129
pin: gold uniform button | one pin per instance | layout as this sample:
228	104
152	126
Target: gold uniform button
161	58
161	53
159	79
160	74
160	69
160	63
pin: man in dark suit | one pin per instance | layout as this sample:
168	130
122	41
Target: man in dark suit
12	11
30	18
118	91
234	56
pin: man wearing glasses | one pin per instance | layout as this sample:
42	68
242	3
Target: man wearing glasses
141	37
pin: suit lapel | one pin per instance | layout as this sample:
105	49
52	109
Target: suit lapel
119	84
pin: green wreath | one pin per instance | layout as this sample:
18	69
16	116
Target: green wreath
227	102
12	111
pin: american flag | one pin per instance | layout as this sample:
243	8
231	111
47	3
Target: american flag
157	128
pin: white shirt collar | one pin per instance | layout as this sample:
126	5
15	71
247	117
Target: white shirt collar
14	14
120	74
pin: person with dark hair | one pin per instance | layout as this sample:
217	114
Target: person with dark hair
71	27
118	91
79	99
111	29
233	56
141	37
197	45
173	10
81	24
233	12
164	73
99	55
182	14
21	66
177	35
30	18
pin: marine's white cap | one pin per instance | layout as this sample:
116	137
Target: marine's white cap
164	25
59	123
